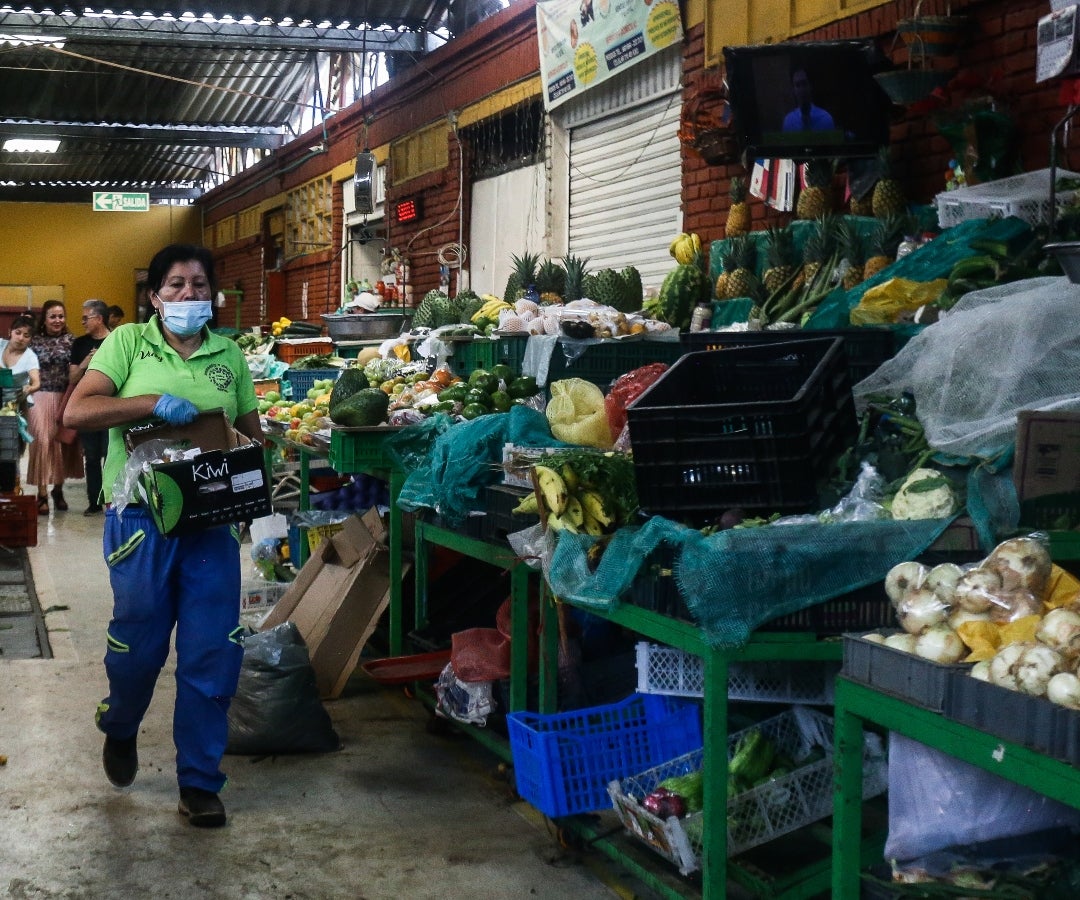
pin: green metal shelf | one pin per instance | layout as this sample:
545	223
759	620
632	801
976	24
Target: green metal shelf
857	704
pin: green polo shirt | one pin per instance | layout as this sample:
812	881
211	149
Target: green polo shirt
138	360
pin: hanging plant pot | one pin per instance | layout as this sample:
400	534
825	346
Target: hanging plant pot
906	86
933	35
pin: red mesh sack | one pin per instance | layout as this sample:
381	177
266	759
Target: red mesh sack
480	654
626	389
502	624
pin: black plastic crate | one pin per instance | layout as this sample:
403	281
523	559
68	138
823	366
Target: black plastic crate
866	348
655	589
10	447
919	681
753	428
499	503
863	609
1032	722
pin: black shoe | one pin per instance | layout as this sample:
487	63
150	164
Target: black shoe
121	760
58	500
203	808
91	510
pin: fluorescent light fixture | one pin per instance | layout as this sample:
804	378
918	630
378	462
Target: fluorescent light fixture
29	145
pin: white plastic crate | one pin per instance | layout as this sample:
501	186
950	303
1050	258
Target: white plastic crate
668	670
1025	196
759	815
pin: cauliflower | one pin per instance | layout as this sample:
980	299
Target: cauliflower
925	494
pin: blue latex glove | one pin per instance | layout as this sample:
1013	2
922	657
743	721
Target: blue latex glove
175	410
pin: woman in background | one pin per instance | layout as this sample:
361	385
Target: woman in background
51	460
15	354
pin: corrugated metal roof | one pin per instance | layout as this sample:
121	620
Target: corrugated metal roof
140	102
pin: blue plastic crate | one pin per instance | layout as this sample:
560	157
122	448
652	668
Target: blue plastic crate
300	381
563	762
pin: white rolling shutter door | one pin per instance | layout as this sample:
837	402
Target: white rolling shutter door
626	189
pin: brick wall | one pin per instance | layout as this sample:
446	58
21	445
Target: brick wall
1000	51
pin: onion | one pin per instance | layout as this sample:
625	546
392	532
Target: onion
960	615
901	641
1064	690
1036	666
1001	666
904	577
981	670
1021	562
940	644
1060	629
976	589
1016	604
919	609
874	637
942	580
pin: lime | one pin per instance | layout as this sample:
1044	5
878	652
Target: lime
501	401
472	410
503	372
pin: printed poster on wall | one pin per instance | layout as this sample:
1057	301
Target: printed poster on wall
584	42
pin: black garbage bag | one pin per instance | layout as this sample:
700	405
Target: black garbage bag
277	707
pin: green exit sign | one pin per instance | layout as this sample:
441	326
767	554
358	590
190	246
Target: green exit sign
117	201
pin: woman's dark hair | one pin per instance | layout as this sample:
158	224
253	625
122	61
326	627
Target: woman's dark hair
23	321
169	256
45	307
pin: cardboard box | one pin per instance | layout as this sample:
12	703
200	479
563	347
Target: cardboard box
224	483
337	598
261	595
1047	453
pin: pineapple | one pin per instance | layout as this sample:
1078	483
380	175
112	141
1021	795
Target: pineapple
780	257
741	280
523	275
727	266
575	276
738	219
819	246
815	200
852	251
884	242
888	198
862	206
551	281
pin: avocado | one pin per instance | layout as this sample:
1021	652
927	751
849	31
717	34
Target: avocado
367	406
349	382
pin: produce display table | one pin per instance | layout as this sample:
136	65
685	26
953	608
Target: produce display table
361	450
428	534
716	868
857	704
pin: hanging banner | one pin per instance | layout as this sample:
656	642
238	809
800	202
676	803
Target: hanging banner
584	42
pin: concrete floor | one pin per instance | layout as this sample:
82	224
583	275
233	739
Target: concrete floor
398	813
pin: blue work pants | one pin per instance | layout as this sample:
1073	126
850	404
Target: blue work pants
192	583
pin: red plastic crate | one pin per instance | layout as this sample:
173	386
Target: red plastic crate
18	520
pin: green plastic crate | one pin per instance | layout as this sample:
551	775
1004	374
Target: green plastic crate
471	355
361	449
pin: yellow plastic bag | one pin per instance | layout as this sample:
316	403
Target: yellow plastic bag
577	415
886	302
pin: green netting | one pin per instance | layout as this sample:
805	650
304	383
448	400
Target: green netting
733	581
932	260
459	461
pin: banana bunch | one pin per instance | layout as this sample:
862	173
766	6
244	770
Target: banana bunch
685	248
570	505
489	312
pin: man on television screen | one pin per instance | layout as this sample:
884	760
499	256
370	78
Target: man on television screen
806	116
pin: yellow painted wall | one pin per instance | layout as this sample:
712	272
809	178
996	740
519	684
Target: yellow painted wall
92	254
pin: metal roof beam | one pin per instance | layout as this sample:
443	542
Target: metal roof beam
40	27
54	192
250	136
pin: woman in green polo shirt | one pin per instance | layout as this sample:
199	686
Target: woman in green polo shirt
171	368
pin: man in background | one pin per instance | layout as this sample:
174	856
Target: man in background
95	320
806	116
116	316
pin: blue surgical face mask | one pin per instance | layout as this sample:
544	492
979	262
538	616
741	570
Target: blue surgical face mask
185	317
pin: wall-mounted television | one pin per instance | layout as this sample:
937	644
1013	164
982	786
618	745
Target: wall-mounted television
804	100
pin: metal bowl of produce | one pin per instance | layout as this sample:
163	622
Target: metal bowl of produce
1067	253
363	326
